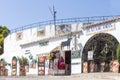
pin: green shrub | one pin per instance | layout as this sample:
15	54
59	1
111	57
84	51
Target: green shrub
118	53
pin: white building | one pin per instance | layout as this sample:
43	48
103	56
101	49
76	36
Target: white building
41	40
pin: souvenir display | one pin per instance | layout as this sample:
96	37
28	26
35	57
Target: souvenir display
55	66
33	64
41	65
14	66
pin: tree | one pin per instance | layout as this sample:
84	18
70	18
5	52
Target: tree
22	62
4	31
118	53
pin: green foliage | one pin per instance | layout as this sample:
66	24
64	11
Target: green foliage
103	55
23	60
4	62
118	53
1	39
4	31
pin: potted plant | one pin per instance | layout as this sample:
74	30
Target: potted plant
118	56
22	62
3	70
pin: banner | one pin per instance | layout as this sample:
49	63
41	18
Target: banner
90	55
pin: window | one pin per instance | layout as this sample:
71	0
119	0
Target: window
43	43
41	31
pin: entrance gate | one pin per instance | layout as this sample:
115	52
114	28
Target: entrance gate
103	46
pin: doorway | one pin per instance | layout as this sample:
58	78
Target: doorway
68	62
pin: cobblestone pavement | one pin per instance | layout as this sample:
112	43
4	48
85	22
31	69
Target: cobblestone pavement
82	76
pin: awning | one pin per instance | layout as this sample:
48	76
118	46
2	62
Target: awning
58	48
48	49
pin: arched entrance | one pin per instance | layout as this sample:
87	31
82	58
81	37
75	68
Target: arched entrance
103	48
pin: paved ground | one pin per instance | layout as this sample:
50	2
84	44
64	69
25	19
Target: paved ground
83	76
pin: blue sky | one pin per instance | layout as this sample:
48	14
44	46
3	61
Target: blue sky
17	13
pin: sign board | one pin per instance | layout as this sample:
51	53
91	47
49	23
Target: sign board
100	28
75	54
62	29
90	55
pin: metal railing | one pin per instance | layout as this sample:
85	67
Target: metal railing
65	21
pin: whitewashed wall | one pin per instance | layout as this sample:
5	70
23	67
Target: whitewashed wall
30	41
18	48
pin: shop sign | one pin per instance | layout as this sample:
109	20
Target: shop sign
27	51
90	55
100	28
76	63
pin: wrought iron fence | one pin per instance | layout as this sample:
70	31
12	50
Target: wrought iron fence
65	21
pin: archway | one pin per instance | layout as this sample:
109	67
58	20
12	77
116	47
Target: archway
103	47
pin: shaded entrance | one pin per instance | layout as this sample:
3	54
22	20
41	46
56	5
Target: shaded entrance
68	62
103	46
